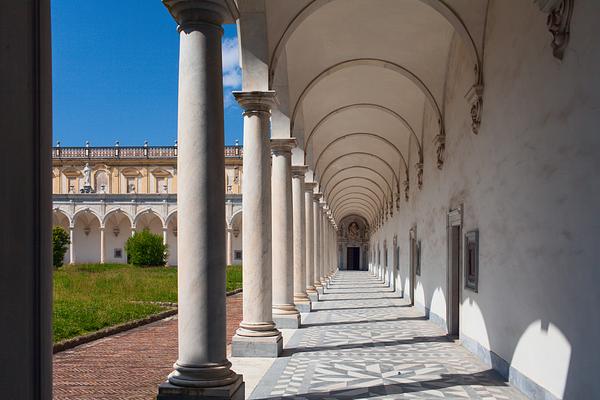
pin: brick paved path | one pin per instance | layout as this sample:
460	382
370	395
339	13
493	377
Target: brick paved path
129	365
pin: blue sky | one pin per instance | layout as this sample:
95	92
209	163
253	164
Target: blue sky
115	74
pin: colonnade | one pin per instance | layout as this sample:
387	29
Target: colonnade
277	221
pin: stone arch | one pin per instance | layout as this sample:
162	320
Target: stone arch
379	63
440	7
118	225
86	236
385	109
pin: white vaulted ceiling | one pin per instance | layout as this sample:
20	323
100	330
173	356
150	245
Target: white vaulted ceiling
355	78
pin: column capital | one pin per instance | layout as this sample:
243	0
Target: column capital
317	197
256	101
298	171
283	145
310	186
188	13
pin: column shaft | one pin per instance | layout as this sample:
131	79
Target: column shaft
102	246
71	245
323	246
317	240
285	313
300	296
257	335
229	249
309	227
202	362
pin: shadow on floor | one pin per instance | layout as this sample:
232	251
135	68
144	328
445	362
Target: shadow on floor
361	298
364	321
417	339
358	308
484	378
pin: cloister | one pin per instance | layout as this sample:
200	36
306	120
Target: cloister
448	149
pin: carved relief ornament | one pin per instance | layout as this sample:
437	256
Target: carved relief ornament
558	22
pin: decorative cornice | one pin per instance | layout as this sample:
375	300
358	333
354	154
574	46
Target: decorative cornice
298	171
558	22
310	186
256	101
283	146
188	13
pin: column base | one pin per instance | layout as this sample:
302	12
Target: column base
304	306
257	346
314	297
320	291
233	391
287	321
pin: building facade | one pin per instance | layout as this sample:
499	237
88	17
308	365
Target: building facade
102	195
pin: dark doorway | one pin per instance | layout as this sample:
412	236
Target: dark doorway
353	254
454	271
454	248
413	262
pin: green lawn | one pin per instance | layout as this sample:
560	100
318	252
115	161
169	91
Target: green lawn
91	297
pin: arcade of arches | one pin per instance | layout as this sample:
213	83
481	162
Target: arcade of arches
448	147
102	195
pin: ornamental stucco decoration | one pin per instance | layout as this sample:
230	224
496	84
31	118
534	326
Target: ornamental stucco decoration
406	184
475	98
558	22
440	142
419	167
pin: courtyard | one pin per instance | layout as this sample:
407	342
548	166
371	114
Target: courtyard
361	341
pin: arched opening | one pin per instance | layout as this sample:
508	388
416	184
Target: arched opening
86	237
172	238
237	253
59	218
117	229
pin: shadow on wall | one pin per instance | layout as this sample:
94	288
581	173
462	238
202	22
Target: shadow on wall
559	369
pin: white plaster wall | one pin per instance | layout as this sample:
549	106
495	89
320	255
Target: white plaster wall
528	182
172	243
112	242
237	245
87	247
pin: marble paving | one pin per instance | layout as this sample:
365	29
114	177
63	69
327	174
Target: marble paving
363	341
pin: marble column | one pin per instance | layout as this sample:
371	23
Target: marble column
202	369
257	335
310	232
229	247
72	245
165	235
102	245
317	241
301	299
323	228
285	314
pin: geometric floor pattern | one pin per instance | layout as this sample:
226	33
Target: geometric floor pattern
362	341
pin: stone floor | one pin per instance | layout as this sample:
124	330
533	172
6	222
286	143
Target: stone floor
362	341
129	365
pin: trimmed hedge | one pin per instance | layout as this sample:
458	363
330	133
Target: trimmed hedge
146	249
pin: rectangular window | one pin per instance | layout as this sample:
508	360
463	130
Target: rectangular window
471	258
237	255
118	253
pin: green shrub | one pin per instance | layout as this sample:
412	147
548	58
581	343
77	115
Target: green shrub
146	249
60	244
